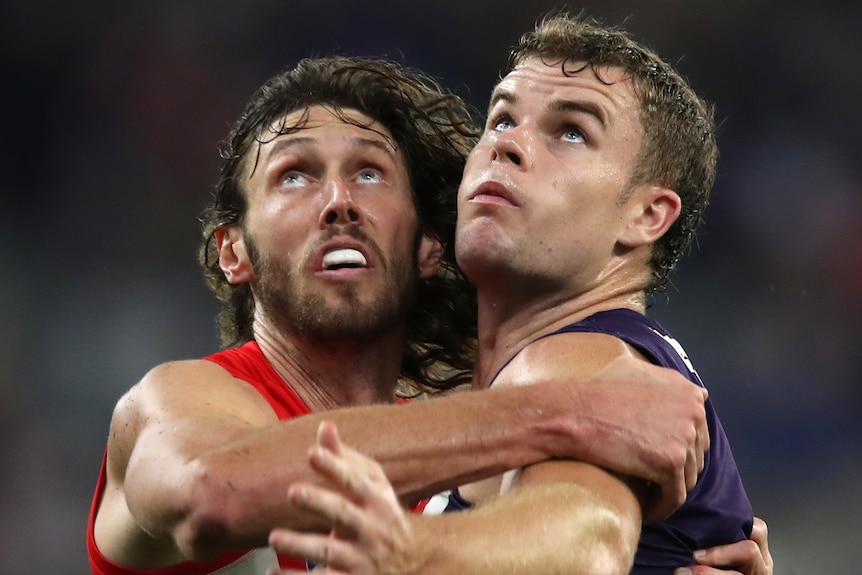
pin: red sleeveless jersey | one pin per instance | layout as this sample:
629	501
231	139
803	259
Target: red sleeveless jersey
248	364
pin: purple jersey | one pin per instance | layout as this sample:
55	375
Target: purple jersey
717	511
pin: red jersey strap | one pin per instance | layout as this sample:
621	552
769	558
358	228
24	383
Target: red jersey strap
248	363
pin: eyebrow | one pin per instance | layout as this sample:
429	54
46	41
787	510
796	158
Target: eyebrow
584	107
502	95
499	95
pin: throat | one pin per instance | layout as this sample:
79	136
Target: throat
335	374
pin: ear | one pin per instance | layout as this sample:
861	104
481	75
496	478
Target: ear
430	255
232	256
651	213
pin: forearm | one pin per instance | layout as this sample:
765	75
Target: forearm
424	447
441	443
560	517
430	445
558	528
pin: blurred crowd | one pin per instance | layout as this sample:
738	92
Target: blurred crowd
111	115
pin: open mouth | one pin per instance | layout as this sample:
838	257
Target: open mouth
343	258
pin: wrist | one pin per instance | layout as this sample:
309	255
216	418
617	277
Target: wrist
425	550
562	431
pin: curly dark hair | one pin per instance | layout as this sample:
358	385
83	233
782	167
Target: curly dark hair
679	149
433	128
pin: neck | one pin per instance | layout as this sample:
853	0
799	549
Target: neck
328	374
509	320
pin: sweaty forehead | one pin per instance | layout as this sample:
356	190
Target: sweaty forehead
324	129
562	78
319	116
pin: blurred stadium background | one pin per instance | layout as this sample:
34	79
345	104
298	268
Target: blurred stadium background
110	115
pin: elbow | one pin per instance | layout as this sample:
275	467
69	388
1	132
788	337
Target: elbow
613	559
202	535
194	508
616	544
207	525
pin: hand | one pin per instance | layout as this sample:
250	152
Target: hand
370	531
651	424
749	557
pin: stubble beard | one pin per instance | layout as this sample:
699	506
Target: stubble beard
294	308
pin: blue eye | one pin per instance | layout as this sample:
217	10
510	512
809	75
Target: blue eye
369	176
574	136
291	179
502	124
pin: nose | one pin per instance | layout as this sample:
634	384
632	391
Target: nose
339	207
512	146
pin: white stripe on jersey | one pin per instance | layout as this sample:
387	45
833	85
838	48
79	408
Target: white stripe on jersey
252	563
437	505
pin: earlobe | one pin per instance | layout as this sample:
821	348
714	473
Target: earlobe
654	214
232	256
429	257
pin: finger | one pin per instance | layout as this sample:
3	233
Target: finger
759	534
743	555
668	499
329	439
696	458
703	438
351	472
327	455
327	436
704	428
360	476
703	570
695	435
693	464
321	549
334	508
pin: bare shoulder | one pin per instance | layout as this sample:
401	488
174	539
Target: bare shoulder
185	389
178	395
177	411
567	355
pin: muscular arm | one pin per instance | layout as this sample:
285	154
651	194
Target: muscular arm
551	525
546	524
566	516
198	463
562	517
558	516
